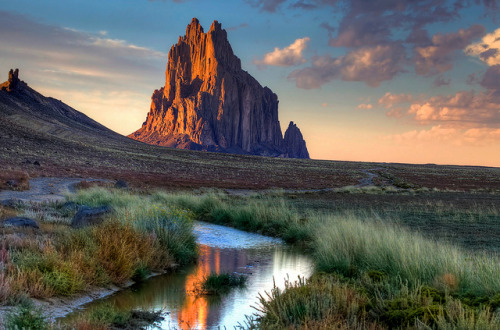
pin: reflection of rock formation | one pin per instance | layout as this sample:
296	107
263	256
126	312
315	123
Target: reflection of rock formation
197	311
193	313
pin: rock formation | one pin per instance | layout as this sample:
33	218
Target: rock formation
293	144
210	103
13	82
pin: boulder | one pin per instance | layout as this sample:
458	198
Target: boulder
19	222
89	216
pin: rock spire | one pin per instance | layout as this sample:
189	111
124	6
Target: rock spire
210	103
13	81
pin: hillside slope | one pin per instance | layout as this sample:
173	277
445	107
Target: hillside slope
35	129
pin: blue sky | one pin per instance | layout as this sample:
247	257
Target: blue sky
389	80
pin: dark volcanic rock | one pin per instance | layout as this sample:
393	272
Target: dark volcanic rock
13	83
121	184
12	183
11	202
19	222
294	144
210	103
89	216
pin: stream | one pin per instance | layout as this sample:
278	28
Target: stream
263	260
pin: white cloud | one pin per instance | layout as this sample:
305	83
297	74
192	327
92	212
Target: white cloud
288	56
488	49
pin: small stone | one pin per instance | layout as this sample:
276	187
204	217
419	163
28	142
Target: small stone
11	202
90	216
121	184
12	183
19	222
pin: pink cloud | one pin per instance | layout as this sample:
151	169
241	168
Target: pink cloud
365	106
288	56
437	57
371	65
389	99
488	49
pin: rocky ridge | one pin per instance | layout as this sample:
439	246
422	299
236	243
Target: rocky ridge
210	103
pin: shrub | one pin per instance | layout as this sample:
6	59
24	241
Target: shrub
317	303
14	180
108	314
26	316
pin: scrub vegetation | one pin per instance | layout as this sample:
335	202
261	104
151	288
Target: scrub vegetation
384	259
140	237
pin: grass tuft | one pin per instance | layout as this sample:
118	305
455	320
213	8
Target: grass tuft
221	283
26	316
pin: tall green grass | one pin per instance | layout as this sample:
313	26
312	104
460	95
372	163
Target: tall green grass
351	246
319	303
170	225
269	217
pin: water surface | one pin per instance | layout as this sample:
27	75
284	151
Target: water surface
262	259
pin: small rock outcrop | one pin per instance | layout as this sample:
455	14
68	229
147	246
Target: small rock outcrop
293	143
11	202
13	82
210	103
19	222
121	184
90	216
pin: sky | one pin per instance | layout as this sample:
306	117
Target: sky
408	81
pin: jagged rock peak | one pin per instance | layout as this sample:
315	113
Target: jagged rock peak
210	103
194	29
13	81
294	143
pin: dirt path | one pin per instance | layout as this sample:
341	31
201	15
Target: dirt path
368	181
364	182
44	190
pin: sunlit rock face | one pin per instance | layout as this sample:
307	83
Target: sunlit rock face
210	103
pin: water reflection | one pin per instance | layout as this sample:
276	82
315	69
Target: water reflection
185	310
